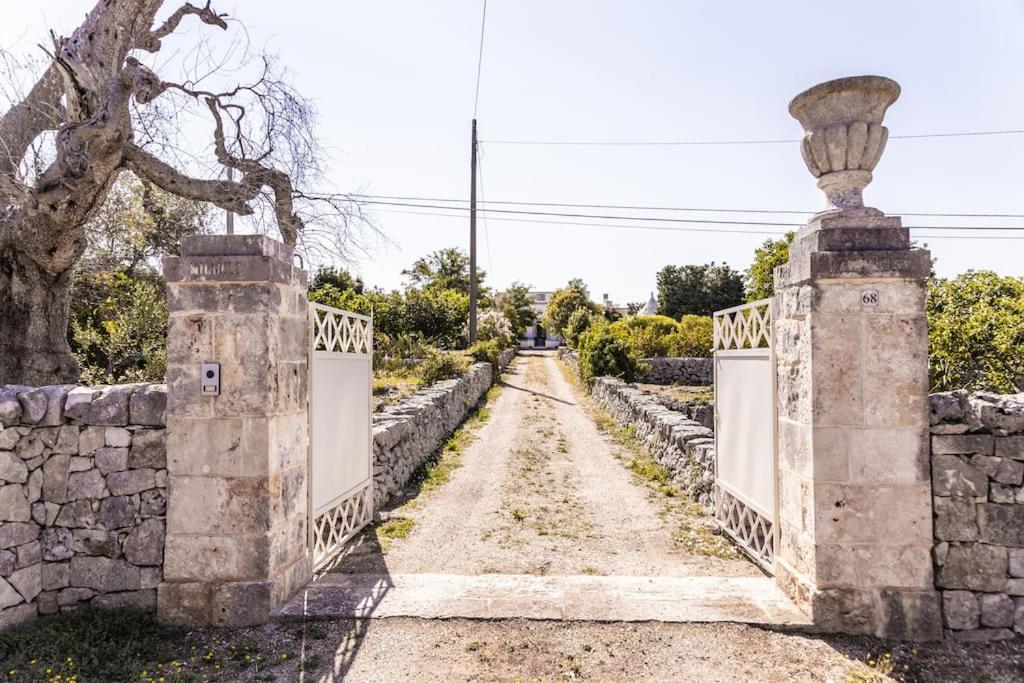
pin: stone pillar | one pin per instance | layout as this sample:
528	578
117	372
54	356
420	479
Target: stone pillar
852	347
237	543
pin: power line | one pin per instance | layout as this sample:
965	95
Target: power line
480	59
714	143
679	208
678	228
661	219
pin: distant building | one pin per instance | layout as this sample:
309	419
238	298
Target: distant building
652	306
621	310
536	337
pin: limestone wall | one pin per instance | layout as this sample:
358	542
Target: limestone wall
684	447
977	459
83	486
407	433
685	371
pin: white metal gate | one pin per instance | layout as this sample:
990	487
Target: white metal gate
746	466
340	425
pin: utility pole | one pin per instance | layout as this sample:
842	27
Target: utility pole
472	238
230	220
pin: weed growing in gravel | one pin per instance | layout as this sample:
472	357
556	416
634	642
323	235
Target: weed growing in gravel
397	527
121	645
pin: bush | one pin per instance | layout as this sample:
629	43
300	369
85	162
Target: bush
494	326
486	352
604	353
439	366
976	332
580	321
119	327
650	336
694	338
564	302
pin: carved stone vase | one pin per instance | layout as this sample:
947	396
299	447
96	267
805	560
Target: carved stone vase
843	134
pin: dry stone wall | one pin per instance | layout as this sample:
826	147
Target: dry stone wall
407	433
977	462
83	490
684	447
684	371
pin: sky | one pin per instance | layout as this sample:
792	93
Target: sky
394	84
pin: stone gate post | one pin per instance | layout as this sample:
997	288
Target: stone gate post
237	544
852	348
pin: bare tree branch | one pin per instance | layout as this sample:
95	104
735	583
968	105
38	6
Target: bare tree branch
151	41
228	195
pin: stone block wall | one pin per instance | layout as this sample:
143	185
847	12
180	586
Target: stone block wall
684	447
684	371
407	433
83	491
977	462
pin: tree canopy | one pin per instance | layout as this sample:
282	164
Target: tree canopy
760	275
564	302
976	332
698	289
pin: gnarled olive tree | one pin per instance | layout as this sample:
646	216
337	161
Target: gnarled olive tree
97	104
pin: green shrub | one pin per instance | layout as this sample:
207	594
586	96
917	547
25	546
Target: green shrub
486	352
438	366
605	353
976	332
650	336
494	326
694	338
580	321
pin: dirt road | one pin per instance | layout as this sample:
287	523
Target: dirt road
543	490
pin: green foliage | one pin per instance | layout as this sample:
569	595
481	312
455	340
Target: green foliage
486	352
438	366
648	335
124	337
89	644
117	324
564	302
493	325
698	289
445	269
345	299
605	353
694	338
516	305
976	332
761	274
338	278
580	321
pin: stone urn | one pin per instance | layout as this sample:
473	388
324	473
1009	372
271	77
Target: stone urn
843	134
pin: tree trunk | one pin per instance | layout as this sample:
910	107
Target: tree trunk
33	323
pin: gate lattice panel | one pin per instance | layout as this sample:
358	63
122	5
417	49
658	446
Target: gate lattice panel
340	441
746	474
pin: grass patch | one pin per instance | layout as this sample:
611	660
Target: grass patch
395	528
119	645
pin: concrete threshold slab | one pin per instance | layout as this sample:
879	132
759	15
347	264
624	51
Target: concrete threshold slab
749	600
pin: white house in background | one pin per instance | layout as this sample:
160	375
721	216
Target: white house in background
536	337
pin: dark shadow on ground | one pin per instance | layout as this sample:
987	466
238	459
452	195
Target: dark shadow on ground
537	393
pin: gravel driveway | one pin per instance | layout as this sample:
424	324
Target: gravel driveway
542	490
